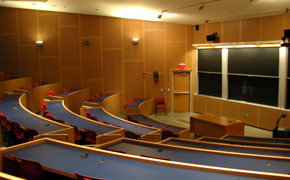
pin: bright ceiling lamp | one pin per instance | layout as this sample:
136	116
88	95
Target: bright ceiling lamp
27	0
137	13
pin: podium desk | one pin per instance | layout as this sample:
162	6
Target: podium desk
215	126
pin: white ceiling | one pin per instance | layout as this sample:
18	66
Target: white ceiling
179	11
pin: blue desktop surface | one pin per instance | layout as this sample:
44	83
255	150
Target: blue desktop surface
220	147
102	98
146	120
136	103
11	108
100	114
57	109
67	159
203	158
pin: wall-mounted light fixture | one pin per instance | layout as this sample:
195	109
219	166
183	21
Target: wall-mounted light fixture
135	40
39	43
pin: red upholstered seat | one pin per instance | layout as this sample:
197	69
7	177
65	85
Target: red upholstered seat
101	94
97	95
83	177
160	104
29	169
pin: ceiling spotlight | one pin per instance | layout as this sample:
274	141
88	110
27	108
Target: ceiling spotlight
160	15
201	7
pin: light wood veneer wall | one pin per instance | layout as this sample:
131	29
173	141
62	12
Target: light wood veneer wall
111	63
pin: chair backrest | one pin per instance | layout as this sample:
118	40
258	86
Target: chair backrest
166	134
31	133
83	177
160	100
5	122
17	130
91	136
76	131
130	134
29	169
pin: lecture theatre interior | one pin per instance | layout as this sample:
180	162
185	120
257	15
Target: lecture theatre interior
147	90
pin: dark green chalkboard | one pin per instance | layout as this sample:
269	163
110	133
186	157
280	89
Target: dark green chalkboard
210	60
210	84
256	61
254	89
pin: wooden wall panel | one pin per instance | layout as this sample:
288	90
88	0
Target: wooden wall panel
215	28
175	54
134	81
175	32
285	122
230	109
249	114
250	29
154	25
94	85
189	49
69	47
8	20
214	106
199	104
27	23
268	117
153	89
29	64
70	78
9	55
90	26
112	70
272	28
48	32
199	36
133	29
92	59
111	32
154	51
68	19
231	31
49	69
286	21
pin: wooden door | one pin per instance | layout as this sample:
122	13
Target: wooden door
181	91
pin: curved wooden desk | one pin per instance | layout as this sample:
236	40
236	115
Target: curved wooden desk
104	132
65	158
110	102
225	159
145	132
12	108
73	99
176	130
227	147
35	94
141	106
